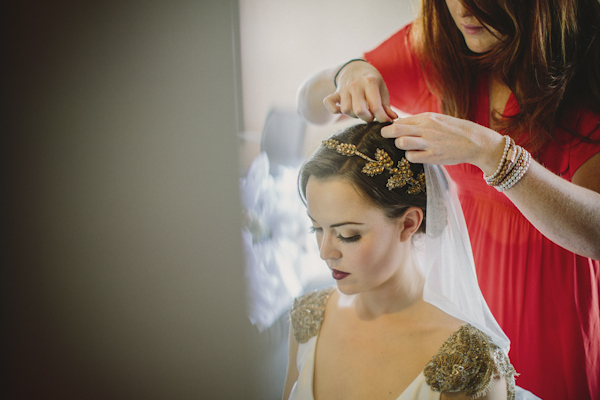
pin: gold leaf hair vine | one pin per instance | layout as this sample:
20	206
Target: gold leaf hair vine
400	176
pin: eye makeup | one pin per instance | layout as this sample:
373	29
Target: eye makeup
340	237
349	239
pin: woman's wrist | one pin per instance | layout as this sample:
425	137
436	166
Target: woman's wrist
311	94
491	154
342	67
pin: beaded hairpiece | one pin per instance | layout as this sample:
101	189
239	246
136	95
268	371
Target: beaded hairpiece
399	176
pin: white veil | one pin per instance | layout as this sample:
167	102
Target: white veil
449	269
448	265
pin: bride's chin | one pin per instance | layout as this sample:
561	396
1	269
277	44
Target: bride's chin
344	289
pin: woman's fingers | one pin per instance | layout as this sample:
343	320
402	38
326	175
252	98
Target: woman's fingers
388	110
417	157
375	102
410	143
332	103
340	103
361	93
385	99
346	105
354	106
402	127
361	107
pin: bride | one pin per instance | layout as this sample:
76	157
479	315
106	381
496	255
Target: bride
406	319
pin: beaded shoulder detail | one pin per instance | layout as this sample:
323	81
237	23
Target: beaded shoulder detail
307	314
467	363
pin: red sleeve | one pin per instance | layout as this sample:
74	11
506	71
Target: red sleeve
401	71
588	125
565	155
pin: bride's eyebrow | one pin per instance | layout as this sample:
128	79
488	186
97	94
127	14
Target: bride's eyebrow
345	223
338	224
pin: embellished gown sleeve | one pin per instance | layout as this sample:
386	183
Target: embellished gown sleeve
468	362
307	314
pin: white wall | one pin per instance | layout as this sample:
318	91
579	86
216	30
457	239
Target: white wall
285	41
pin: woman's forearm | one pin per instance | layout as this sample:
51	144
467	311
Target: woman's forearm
564	212
311	95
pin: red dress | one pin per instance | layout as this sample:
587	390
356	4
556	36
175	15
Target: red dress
546	298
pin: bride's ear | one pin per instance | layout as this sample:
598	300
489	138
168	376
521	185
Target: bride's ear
410	222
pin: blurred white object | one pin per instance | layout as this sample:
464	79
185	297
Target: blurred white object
283	138
282	257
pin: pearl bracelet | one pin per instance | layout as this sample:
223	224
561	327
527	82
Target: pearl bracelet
513	166
518	173
507	145
516	157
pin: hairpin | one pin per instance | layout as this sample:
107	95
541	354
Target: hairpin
400	176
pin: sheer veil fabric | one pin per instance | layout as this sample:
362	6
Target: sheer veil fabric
448	266
447	260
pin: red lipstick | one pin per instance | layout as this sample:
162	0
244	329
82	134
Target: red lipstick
339	275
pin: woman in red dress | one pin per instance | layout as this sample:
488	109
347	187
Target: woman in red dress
470	72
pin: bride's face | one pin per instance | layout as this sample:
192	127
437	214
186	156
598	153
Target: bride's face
363	247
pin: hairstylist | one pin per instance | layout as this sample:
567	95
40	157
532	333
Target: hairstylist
506	94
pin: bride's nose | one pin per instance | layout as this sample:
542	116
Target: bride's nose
328	248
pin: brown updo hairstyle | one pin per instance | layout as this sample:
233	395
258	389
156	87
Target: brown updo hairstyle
326	163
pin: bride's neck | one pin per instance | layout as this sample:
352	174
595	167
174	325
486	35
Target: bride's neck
397	295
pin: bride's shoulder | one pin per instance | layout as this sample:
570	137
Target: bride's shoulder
439	322
468	362
308	312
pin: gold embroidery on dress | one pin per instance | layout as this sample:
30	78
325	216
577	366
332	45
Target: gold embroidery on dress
307	314
467	363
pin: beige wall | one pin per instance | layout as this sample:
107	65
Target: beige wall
285	41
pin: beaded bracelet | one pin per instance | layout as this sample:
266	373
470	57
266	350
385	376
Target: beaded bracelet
342	67
516	174
508	142
519	172
511	165
514	170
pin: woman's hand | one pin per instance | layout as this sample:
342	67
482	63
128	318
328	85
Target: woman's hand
361	93
440	139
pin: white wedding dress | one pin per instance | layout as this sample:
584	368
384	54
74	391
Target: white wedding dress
481	358
303	389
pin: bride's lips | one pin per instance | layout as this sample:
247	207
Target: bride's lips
338	275
473	29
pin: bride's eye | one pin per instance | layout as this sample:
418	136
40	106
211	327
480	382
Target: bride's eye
349	239
314	230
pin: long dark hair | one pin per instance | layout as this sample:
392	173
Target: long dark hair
549	58
327	163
